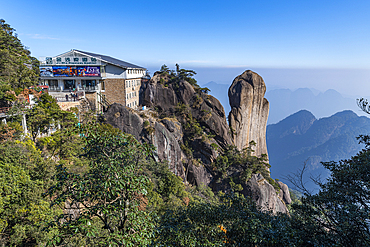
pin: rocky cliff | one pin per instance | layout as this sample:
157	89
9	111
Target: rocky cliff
249	111
188	127
164	134
166	95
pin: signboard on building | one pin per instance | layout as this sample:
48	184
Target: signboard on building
46	71
81	71
72	61
62	71
91	71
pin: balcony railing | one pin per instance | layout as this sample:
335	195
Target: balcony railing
89	88
85	88
55	88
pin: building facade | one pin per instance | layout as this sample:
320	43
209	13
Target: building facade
98	78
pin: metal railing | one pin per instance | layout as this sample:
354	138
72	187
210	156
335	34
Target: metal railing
104	101
55	88
89	88
59	89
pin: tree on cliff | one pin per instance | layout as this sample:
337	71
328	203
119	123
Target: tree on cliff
18	69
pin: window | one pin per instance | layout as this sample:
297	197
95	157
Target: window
69	84
76	59
68	59
59	59
53	83
88	83
84	59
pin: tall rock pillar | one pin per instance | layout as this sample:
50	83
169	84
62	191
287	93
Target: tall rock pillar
249	111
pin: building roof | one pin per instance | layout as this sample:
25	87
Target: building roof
110	60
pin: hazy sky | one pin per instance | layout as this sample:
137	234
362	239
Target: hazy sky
289	42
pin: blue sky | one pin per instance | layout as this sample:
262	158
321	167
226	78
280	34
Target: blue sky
289	35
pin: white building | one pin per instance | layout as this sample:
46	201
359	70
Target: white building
99	78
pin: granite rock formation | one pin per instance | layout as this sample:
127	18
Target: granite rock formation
206	109
164	135
284	193
125	119
264	194
249	111
188	127
167	96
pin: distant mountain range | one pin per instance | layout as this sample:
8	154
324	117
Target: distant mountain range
284	102
301	137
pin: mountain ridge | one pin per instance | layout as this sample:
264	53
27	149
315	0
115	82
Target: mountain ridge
326	139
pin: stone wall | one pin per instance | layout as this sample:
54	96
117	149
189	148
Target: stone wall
115	91
92	99
68	105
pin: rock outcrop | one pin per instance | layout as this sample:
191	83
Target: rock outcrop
190	105
284	193
188	127
249	111
164	134
168	148
264	194
165	97
125	119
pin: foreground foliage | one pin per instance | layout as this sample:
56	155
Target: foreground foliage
24	210
235	221
105	205
339	214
